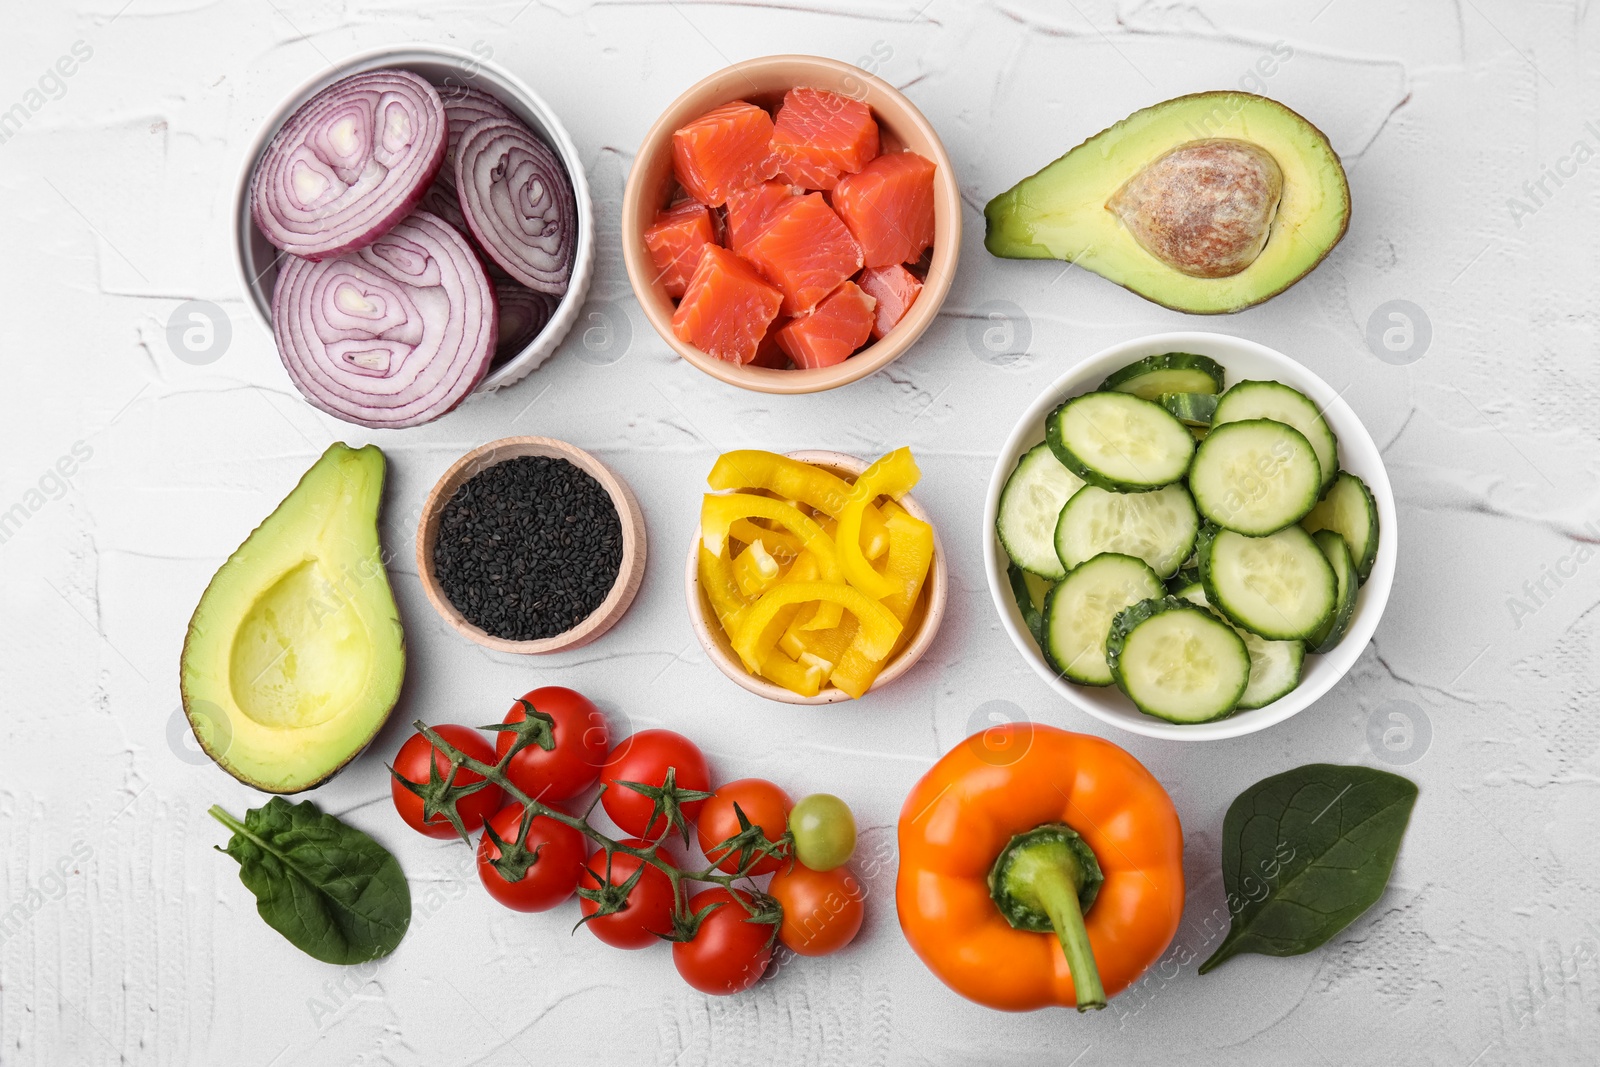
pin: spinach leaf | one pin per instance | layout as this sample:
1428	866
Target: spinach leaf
1305	852
335	893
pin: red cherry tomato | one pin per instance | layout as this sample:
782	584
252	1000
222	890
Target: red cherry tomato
822	910
648	911
553	875
411	763
763	804
581	739
728	954
645	758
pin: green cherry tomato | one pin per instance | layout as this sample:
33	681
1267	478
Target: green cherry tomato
824	831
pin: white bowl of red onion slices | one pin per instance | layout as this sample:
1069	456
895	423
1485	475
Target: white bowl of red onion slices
414	226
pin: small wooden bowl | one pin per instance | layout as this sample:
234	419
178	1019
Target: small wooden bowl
629	575
763	82
924	623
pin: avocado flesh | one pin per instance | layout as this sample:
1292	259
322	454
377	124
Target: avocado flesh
1062	212
295	654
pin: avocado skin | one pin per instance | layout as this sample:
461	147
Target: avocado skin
294	760
1014	218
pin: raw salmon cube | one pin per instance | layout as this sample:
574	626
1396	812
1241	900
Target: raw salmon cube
819	135
770	354
725	149
676	239
895	289
839	325
805	251
889	208
727	308
749	209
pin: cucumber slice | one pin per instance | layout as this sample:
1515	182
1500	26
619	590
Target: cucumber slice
1255	477
1078	613
1186	578
1158	527
1347	508
1274	665
1032	618
1118	441
1280	586
1191	409
1175	372
1344	573
1030	504
1178	661
1278	402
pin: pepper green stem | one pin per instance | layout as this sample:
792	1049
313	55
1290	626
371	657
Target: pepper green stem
1045	880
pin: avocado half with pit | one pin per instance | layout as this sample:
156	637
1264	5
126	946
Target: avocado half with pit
295	654
1208	203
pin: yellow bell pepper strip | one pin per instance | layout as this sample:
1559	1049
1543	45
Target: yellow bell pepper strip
909	562
755	569
783	545
892	476
759	630
828	646
803	570
804	677
722	590
794	479
718	512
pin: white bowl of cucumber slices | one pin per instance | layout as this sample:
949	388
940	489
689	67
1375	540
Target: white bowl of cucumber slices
1190	536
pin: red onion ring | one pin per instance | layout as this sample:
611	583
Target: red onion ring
519	203
523	316
393	335
349	164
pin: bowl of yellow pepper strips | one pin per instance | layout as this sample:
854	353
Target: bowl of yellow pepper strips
814	577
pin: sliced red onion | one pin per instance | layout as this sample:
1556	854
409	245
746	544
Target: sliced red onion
347	166
393	335
523	316
464	105
519	203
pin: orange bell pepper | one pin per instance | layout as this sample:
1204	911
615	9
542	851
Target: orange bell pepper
1085	852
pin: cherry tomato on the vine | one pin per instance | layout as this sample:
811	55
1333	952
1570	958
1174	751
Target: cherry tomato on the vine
581	740
822	910
648	910
764	805
645	758
729	953
824	831
411	763
551	877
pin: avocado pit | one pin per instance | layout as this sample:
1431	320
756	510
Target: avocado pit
1204	208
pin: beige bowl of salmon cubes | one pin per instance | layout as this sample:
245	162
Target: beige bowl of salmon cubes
791	224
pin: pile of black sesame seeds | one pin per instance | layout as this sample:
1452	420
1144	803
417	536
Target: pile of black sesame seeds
528	548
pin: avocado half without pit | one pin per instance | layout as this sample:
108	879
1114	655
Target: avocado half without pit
1208	203
295	655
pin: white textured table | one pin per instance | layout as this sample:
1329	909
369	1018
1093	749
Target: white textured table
135	942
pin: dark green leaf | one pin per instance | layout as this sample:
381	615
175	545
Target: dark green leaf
1305	852
334	892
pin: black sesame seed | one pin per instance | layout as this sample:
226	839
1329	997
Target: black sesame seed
528	548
